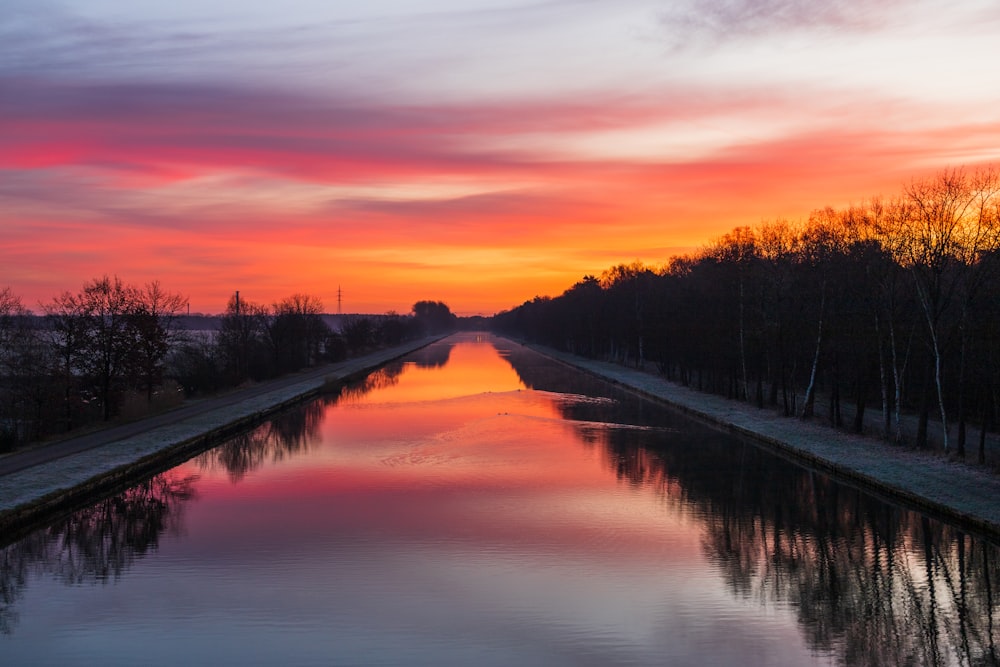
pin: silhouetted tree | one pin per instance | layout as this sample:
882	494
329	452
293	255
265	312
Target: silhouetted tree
241	340
68	327
393	329
196	364
106	334
152	319
434	316
358	332
295	332
23	373
942	230
628	288
889	302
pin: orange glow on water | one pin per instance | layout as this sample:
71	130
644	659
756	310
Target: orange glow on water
470	420
425	382
468	428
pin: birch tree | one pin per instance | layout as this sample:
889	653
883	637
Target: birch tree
945	232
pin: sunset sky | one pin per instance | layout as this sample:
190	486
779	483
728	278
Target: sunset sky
478	152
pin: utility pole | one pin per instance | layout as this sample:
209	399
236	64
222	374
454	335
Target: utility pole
237	302
340	295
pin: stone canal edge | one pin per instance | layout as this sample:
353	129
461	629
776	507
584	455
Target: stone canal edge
944	489
948	490
52	480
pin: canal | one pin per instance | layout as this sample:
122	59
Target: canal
475	503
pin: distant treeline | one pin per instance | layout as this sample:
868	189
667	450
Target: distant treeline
115	348
892	304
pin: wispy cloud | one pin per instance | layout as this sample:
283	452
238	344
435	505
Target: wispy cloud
390	148
708	22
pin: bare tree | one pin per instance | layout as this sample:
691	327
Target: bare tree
14	342
153	316
946	234
111	305
241	337
820	242
880	222
978	263
68	328
738	250
296	331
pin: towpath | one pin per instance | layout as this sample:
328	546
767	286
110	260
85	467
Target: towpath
948	489
46	477
92	463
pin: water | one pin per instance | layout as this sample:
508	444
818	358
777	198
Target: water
476	503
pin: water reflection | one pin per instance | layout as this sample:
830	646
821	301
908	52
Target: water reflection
294	431
387	376
432	356
97	544
101	542
286	435
876	584
869	583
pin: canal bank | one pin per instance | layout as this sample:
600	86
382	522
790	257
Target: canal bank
42	482
942	488
485	504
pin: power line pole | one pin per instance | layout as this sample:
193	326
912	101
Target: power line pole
340	295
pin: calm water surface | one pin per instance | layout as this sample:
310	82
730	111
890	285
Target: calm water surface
476	504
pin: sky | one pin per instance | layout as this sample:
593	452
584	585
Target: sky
476	152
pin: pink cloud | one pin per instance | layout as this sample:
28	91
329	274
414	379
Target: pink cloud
92	175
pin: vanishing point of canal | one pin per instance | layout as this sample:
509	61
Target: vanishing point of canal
476	503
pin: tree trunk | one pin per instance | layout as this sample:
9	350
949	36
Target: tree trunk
743	352
784	393
925	408
883	381
810	398
987	424
859	410
982	438
940	396
836	417
960	442
898	372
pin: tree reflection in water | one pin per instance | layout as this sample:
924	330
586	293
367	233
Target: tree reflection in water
872	583
285	435
101	542
432	356
385	377
97	544
295	430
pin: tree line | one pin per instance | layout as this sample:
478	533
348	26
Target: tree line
90	353
891	304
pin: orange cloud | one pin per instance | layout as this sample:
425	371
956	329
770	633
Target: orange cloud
212	189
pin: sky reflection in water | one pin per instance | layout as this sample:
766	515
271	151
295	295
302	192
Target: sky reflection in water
478	504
